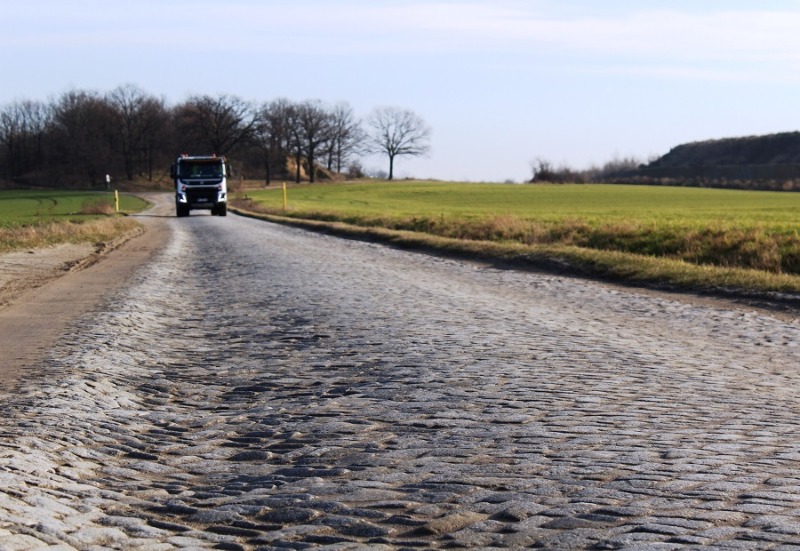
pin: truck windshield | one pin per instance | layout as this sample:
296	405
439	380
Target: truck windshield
201	170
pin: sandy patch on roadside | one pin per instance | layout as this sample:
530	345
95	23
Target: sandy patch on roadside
28	269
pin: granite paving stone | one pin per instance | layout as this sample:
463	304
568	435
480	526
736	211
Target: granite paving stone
260	387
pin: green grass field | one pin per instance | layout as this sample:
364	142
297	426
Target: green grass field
31	219
592	203
600	227
38	207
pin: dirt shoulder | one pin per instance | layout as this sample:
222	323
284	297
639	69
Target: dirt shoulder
21	271
43	291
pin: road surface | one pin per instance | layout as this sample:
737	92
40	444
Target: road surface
254	386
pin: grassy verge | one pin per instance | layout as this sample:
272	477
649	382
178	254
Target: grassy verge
679	238
54	233
34	219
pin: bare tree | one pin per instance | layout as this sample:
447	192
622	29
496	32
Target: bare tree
295	142
82	137
314	127
395	132
347	136
23	127
38	118
541	170
156	135
545	172
273	136
217	125
11	132
139	118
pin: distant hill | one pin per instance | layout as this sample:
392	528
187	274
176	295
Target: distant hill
756	162
772	149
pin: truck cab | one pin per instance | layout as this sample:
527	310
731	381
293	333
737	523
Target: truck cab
200	183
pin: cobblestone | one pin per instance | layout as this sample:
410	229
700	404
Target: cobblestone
258	387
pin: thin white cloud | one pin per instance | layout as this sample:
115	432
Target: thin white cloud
643	37
700	72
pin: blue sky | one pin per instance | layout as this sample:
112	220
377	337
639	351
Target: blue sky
501	82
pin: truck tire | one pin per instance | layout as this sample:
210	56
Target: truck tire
222	209
181	211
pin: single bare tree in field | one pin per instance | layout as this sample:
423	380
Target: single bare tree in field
394	132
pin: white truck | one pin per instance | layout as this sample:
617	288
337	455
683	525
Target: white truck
201	182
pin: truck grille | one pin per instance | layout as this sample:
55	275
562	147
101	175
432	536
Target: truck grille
201	195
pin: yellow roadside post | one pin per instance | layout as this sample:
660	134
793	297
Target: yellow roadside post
284	196
116	200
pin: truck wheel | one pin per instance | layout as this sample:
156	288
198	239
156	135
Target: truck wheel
181	211
222	209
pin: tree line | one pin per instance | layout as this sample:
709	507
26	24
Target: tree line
81	136
544	171
764	162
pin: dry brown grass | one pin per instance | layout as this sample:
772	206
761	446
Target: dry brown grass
99	230
99	206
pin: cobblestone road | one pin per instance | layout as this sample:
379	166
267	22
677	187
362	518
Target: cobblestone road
258	387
